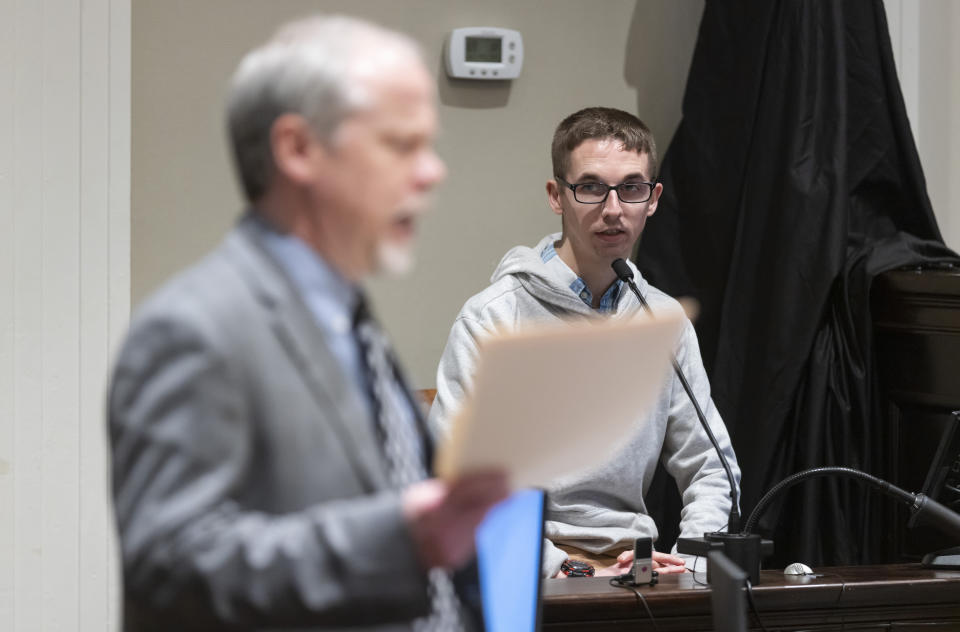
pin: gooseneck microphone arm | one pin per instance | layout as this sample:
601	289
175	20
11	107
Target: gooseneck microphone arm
625	274
926	509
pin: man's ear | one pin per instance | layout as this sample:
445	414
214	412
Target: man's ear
654	199
553	196
292	146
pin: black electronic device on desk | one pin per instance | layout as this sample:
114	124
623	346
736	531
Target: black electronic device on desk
728	602
744	549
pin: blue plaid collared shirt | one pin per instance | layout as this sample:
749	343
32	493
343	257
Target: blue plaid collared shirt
608	301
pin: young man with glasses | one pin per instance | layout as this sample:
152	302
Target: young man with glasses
604	189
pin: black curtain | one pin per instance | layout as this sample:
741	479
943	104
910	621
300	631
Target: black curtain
792	181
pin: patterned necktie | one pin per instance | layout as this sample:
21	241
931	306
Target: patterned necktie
397	424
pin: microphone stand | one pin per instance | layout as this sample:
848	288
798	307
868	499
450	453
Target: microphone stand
923	509
745	550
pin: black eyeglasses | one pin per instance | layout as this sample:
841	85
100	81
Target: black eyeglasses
597	192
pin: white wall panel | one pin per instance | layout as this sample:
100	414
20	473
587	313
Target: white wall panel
903	20
927	53
7	437
64	301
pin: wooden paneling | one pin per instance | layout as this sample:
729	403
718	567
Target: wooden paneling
917	324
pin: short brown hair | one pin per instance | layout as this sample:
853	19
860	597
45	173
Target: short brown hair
599	123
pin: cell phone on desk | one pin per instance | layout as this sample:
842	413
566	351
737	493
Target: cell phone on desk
642	561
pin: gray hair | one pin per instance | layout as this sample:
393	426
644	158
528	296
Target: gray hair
309	67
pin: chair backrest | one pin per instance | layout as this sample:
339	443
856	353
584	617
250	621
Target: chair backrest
426	396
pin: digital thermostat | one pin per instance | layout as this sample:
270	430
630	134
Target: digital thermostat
484	52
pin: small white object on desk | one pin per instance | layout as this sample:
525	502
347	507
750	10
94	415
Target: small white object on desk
798	568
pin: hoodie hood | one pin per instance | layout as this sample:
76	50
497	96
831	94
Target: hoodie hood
528	269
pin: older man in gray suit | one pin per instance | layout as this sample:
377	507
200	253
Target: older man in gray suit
270	468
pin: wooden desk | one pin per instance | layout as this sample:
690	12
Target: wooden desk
903	596
917	324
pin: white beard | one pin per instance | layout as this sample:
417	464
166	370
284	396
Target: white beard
395	259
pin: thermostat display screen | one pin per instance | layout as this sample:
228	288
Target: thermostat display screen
485	49
484	53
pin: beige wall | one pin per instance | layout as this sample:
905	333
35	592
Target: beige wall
495	138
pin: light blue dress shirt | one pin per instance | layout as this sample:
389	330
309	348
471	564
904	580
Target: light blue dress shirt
332	300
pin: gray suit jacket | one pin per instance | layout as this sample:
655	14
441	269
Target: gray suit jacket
248	482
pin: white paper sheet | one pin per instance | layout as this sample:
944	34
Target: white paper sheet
546	402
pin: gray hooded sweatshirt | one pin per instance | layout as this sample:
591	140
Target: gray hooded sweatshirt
601	509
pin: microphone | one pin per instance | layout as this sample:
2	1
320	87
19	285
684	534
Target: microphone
625	274
924	510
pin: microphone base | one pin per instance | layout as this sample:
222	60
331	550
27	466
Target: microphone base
744	550
947	559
